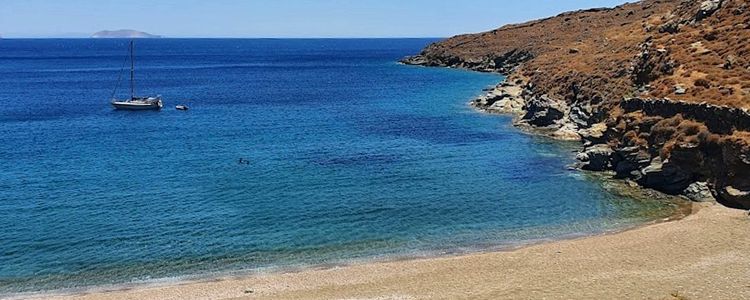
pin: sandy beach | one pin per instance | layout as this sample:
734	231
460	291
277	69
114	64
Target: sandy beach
703	256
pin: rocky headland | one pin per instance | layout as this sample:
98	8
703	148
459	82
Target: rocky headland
658	91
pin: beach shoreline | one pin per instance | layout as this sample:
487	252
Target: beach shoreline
692	257
681	209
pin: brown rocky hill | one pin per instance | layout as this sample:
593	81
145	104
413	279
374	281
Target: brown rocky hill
657	89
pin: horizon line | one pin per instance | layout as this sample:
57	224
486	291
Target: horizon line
198	37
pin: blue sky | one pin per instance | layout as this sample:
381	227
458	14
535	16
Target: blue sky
274	18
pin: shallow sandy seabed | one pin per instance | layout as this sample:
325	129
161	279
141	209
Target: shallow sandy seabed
704	256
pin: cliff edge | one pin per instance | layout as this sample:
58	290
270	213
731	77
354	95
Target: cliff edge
658	90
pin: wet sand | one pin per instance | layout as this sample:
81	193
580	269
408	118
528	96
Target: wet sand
705	255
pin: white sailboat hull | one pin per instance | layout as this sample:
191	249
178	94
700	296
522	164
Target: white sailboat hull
138	104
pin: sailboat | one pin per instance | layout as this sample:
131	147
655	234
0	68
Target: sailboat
135	103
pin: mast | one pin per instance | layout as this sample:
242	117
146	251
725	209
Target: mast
132	70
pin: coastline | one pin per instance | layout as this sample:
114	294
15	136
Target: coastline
187	284
694	257
193	285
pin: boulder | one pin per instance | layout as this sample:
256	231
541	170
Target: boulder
596	158
567	132
628	161
665	177
594	134
543	111
699	192
734	197
580	115
680	89
507	105
730	62
707	9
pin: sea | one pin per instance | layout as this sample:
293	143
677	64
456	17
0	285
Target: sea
294	153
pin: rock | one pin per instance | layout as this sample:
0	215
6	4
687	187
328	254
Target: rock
628	161
670	27
707	9
665	177
730	62
508	105
726	91
580	115
699	48
417	60
594	134
568	132
505	98
699	192
543	111
596	158
680	89
734	197
573	50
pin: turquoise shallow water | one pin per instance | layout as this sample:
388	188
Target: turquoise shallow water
352	156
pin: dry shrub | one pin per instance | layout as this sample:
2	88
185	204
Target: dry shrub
665	151
702	83
733	81
741	138
663	130
688	127
621	125
629	138
708	138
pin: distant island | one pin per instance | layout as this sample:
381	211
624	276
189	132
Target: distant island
124	33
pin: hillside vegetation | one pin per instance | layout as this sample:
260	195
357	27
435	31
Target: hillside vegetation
658	89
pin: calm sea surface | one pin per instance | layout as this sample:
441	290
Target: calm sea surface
352	157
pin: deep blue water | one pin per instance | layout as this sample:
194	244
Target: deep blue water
352	156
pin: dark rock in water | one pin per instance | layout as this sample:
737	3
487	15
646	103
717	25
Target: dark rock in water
418	60
596	158
542	111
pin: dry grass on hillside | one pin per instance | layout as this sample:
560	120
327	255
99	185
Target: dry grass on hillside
599	54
